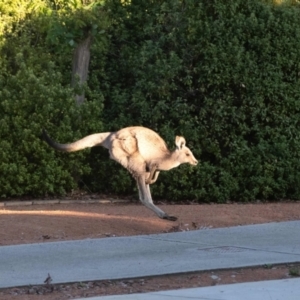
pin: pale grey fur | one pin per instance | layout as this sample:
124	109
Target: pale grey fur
141	151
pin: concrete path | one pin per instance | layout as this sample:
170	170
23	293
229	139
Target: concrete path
128	257
288	289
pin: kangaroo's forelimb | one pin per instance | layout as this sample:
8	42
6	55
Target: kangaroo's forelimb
154	172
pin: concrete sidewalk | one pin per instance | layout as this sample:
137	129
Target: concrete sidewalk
129	257
288	289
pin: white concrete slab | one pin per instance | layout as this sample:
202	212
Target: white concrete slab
129	257
266	237
288	289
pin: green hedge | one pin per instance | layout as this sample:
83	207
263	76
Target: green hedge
35	93
223	74
30	102
226	75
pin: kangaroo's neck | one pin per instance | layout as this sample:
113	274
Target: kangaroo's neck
169	161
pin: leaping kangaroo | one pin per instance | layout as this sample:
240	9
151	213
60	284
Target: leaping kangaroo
141	151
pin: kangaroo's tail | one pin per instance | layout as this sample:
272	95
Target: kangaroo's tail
97	139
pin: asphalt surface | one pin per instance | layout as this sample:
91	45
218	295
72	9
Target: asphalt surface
139	256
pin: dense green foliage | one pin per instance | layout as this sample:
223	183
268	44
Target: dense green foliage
226	75
34	94
30	102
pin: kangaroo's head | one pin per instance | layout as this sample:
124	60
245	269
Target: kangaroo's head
184	154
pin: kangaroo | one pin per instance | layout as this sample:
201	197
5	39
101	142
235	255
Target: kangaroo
141	151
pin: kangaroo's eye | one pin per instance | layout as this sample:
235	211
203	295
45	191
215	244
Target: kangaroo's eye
187	154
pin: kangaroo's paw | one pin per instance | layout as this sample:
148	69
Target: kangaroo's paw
169	218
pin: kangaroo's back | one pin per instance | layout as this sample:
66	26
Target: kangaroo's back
149	144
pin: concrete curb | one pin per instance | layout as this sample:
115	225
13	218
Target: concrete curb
47	202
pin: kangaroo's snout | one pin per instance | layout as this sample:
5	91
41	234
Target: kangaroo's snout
195	162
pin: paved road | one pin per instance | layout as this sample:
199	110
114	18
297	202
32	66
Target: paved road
127	257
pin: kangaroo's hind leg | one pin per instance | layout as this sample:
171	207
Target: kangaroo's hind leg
166	216
136	165
146	199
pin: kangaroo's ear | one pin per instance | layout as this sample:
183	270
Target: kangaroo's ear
179	142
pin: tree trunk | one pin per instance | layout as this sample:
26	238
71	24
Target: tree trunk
81	59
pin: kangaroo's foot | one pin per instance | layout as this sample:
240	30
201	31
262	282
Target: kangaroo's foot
169	218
